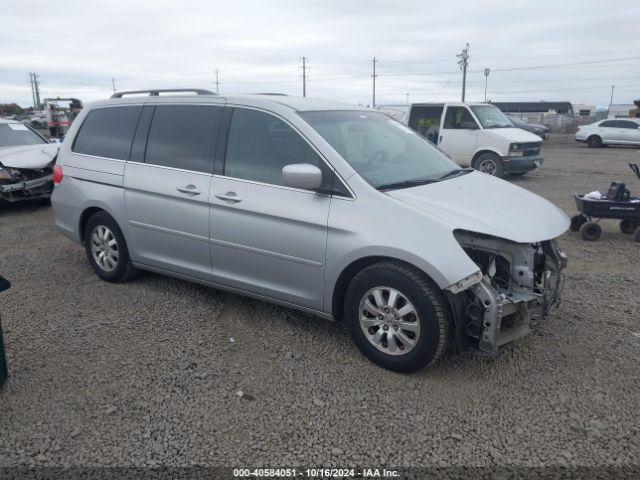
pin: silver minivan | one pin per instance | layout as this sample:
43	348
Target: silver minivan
332	209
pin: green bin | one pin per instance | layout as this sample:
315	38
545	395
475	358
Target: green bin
4	284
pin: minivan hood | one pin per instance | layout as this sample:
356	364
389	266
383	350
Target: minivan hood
514	135
480	203
29	156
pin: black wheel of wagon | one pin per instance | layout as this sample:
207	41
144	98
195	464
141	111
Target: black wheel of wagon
629	226
594	141
590	231
577	221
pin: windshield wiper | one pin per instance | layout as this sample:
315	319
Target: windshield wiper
405	184
499	126
457	171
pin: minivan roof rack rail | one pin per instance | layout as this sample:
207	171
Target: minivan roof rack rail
156	92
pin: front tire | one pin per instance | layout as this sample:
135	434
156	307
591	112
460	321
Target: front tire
489	163
107	250
629	226
590	231
594	141
577	221
397	317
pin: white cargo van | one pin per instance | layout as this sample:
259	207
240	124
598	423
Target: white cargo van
478	135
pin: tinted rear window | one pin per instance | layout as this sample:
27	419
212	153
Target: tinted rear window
108	132
182	136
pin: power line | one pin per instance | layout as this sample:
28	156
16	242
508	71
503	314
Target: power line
561	65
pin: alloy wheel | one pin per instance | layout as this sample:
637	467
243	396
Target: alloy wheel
104	248
488	166
389	320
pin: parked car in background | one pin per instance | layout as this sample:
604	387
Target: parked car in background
541	130
332	209
619	131
26	163
478	135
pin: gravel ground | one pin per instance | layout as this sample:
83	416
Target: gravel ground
145	373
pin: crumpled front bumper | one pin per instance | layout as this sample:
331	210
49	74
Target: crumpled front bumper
509	317
35	188
491	314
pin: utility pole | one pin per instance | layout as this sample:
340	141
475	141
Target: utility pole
373	99
486	78
610	100
304	76
407	98
113	84
36	86
217	82
463	62
33	91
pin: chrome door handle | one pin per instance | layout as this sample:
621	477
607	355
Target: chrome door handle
190	189
231	197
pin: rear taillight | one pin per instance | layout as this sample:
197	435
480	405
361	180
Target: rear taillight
57	174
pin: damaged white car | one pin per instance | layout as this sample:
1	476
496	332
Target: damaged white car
26	163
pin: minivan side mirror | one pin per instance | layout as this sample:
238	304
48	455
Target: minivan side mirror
302	175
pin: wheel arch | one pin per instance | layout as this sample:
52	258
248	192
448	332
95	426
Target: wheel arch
352	269
87	213
482	152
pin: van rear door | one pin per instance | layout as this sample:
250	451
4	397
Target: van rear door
425	119
458	134
167	184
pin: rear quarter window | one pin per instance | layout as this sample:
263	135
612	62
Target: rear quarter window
108	132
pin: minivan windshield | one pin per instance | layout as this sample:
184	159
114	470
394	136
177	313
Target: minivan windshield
491	117
15	134
383	151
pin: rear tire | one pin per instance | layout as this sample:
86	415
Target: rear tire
489	163
107	250
590	231
374	304
629	226
636	235
594	141
577	221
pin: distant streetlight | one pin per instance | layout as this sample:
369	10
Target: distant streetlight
486	78
407	97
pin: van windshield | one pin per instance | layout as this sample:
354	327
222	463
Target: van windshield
383	151
491	117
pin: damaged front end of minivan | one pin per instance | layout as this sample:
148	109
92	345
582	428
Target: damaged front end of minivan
517	286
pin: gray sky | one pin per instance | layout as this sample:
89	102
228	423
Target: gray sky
78	46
